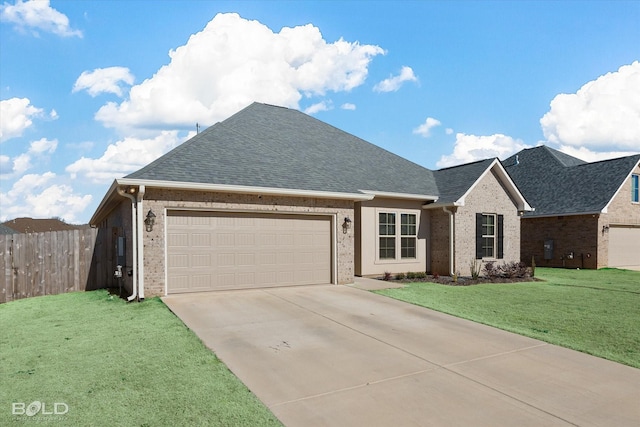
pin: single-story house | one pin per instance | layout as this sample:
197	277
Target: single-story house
274	197
587	215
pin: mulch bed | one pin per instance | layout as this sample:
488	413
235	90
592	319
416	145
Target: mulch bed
465	281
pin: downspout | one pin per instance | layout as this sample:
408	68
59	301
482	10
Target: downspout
135	249
141	190
452	266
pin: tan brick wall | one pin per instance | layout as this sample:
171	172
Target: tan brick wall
161	200
489	196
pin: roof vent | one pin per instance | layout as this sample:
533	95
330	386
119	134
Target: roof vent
517	160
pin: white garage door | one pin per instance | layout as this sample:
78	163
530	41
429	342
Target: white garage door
624	247
219	250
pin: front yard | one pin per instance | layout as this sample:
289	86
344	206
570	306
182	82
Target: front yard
596	312
108	363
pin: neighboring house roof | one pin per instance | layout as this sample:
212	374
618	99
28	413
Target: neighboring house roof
276	150
558	184
7	230
30	225
276	147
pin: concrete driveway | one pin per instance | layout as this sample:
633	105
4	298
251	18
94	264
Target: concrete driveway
340	356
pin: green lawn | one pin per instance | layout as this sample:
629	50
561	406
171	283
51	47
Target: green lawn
596	312
114	364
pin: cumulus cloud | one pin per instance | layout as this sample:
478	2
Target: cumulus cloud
233	62
604	114
23	162
317	107
15	117
593	156
471	148
348	106
35	196
394	83
425	128
123	157
104	80
38	15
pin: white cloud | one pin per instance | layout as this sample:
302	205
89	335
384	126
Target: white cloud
123	157
392	84
320	106
604	115
425	128
104	80
471	148
348	106
21	163
233	62
15	117
593	156
43	145
39	15
33	196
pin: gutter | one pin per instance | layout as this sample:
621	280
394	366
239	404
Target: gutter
140	246
134	225
452	266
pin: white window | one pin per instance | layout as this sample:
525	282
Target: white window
488	235
397	239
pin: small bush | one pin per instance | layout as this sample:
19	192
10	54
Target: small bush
386	276
490	270
436	276
400	276
475	268
421	275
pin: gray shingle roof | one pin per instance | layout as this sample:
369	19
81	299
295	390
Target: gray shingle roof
454	182
555	183
7	230
269	146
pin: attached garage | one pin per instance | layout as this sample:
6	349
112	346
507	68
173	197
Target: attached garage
237	250
624	246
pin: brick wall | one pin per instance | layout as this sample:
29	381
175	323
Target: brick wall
577	233
489	196
159	200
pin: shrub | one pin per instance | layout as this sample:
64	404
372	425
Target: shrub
400	276
475	268
421	275
436	276
387	276
490	270
411	275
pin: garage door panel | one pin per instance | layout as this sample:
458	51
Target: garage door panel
624	247
215	251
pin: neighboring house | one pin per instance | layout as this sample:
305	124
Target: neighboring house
7	230
31	225
587	215
274	197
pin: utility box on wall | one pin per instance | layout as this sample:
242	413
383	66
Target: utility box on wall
548	249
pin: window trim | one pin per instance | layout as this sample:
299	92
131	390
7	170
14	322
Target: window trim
635	189
398	236
493	237
498	236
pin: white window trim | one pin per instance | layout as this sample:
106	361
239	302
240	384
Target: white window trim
494	236
398	236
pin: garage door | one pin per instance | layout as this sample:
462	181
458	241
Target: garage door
217	250
624	247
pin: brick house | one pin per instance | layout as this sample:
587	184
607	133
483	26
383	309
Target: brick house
587	215
274	197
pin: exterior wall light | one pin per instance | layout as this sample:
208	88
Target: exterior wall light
605	228
150	220
346	225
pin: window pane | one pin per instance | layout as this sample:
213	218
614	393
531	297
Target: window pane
387	247
408	224
387	224
488	225
635	190
487	247
408	247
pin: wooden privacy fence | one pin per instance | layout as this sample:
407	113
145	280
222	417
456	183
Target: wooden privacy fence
47	263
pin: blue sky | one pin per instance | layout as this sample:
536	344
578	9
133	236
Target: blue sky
94	90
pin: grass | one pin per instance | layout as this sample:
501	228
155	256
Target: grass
593	311
115	364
